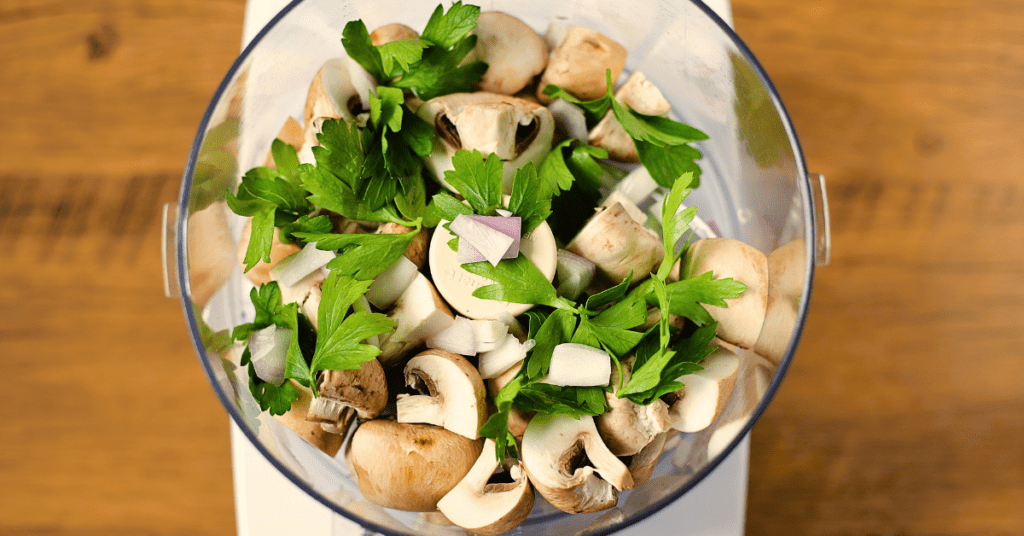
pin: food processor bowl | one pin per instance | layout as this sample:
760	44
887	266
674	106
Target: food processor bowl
754	188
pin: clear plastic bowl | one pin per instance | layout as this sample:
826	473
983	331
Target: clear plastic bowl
755	188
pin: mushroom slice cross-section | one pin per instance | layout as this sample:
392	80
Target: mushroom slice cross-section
627	427
455	397
485	508
554	450
363	391
701	401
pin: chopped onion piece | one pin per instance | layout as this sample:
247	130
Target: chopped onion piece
460	338
579	365
268	348
503	212
638	185
489	334
491	228
294	267
628	205
495	362
514	327
391	283
362	304
574	274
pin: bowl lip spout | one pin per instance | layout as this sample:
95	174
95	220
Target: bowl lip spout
804	188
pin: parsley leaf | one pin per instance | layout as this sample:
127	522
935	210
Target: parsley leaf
556	329
571	176
476	179
686	296
362	256
444	207
356	40
402	52
655	372
439	70
528	199
517	281
675	223
447	29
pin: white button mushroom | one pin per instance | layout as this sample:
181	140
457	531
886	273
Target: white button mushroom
578	62
419	313
640	95
514	53
517	130
701	401
627	428
740	322
455	397
409	467
786	269
340	90
484	508
641	465
618	245
554	447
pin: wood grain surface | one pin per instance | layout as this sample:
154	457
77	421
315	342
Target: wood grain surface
903	412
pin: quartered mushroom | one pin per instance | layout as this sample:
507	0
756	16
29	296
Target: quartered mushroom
482	507
695	406
260	273
517	130
455	393
419	314
409	467
640	95
345	394
578	61
313	433
553	453
628	427
786	269
514	53
641	465
392	32
618	245
740	322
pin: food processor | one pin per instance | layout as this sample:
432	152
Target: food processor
754	188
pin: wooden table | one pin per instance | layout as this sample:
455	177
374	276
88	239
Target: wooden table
903	412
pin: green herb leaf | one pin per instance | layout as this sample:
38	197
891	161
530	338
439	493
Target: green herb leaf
444	207
665	164
567	174
356	40
447	29
611	295
686	296
478	180
528	199
557	400
557	328
362	256
517	281
675	223
402	52
657	375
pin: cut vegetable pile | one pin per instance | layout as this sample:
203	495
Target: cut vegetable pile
457	214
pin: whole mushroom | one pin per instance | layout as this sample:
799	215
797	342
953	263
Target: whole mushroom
409	467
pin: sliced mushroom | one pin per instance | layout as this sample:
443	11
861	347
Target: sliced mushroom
786	270
260	274
484	508
392	32
409	466
554	451
618	245
455	397
419	314
417	250
295	419
578	61
740	322
628	427
514	53
340	90
640	95
363	391
695	406
516	130
641	465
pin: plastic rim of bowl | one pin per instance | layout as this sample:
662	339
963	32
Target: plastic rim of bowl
804	188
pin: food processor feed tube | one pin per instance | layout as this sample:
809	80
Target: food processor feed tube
754	188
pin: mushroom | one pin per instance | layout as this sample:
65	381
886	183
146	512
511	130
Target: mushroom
578	61
392	32
260	273
618	245
517	418
740	322
363	391
210	262
455	398
695	406
409	467
516	130
628	427
786	269
484	508
418	314
637	94
554	451
340	90
292	134
417	250
295	419
514	53
641	465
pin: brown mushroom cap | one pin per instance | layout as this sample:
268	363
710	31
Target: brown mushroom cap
295	419
409	466
417	250
392	32
364	389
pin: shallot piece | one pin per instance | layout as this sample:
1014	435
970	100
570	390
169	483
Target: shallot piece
579	365
486	236
459	338
574	274
391	283
294	267
495	362
268	348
